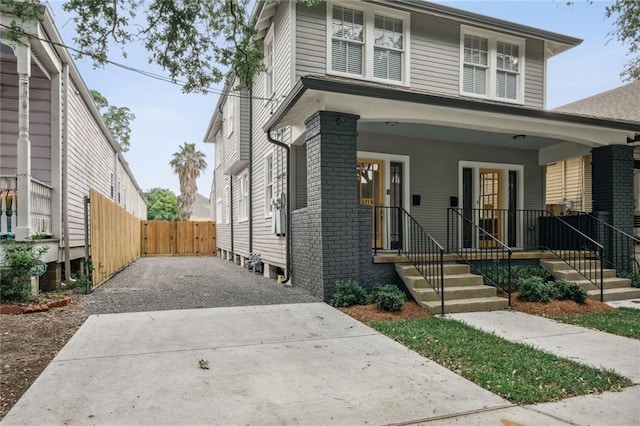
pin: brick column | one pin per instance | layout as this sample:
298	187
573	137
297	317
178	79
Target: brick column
332	201
612	184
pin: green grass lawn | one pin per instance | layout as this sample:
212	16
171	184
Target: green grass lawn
514	371
623	321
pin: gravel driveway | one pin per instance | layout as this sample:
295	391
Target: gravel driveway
163	283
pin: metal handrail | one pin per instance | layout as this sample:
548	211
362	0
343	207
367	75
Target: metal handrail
482	260
618	247
422	250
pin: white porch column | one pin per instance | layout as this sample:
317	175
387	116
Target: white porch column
23	229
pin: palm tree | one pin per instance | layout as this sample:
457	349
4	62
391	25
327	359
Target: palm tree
187	163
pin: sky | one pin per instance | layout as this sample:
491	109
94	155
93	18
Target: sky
166	117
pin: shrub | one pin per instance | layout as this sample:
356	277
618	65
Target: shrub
500	275
536	289
348	293
15	271
635	278
564	290
388	297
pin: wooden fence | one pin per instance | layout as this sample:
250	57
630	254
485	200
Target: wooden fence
115	237
165	238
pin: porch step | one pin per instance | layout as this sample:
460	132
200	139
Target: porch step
460	280
573	275
607	283
614	288
463	291
612	294
561	265
481	304
456	293
448	269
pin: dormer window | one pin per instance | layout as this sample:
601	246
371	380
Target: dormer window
492	65
369	42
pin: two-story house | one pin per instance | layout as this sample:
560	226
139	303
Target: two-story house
54	148
393	125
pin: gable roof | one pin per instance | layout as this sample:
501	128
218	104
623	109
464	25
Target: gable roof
617	104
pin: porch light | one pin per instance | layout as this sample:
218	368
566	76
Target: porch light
519	137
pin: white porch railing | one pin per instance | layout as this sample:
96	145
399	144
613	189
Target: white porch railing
40	214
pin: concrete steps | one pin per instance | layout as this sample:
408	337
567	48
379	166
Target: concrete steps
463	291
613	288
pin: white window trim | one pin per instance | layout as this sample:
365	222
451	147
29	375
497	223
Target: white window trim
476	166
493	38
218	216
269	41
406	174
219	149
243	197
369	11
268	204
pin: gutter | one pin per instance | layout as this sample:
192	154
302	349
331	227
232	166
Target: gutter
251	170
65	175
288	200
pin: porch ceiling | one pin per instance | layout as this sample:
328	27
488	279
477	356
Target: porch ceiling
457	135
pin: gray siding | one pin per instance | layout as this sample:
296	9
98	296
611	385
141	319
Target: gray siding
435	177
311	41
39	124
434	53
534	74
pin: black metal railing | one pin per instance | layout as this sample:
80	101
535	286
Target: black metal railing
397	230
476	229
487	257
512	227
619	247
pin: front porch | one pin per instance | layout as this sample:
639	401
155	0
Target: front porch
33	212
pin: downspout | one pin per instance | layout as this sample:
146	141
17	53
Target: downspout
251	169
288	200
65	175
233	255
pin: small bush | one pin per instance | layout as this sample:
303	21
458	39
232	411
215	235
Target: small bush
499	275
348	293
388	297
15	271
536	289
635	278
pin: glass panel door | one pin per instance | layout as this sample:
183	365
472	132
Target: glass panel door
490	205
370	193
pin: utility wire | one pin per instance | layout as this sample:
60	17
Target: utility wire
133	69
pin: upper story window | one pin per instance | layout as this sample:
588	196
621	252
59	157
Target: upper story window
268	64
492	65
369	43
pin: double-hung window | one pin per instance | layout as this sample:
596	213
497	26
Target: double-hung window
243	197
492	65
230	110
268	185
227	204
219	150
370	42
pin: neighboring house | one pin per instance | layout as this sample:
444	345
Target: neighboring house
417	107
54	148
569	181
201	209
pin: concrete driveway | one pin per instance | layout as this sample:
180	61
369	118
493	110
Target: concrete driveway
268	365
